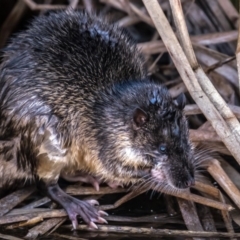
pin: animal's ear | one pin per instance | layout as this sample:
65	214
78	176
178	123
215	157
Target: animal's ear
140	117
180	101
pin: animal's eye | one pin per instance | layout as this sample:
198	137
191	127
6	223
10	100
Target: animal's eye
162	148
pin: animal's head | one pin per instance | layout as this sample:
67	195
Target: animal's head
146	130
161	130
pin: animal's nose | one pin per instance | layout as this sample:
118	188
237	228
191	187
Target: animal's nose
190	182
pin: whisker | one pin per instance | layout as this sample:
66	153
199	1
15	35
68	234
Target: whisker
203	154
137	184
143	184
151	154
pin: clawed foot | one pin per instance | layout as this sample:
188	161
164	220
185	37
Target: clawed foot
86	210
75	207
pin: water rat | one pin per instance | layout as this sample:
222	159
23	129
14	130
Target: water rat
75	97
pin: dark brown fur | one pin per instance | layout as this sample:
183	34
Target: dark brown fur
74	95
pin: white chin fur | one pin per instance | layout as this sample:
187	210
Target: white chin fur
158	174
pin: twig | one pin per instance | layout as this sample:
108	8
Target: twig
198	199
37	203
155	232
207	220
209	100
25	217
238	56
30	222
42	213
193	109
216	193
73	4
11	21
225	116
205	188
231	171
177	89
204	136
164	218
208	57
35	7
219	64
79	190
9	202
130	8
230	11
122	200
43	227
214	168
8	237
58	224
150	69
22	211
127	21
114	3
205	39
226	216
67	237
140	14
217	16
190	215
89	5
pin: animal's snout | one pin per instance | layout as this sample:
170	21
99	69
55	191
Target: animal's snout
185	179
190	182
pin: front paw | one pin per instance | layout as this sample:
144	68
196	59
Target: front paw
86	210
75	207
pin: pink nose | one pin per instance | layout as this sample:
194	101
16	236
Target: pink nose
190	183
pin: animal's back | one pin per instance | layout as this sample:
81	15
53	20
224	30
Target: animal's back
72	48
63	59
52	70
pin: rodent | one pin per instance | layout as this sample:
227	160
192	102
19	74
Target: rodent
75	97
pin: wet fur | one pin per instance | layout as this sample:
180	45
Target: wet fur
69	86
